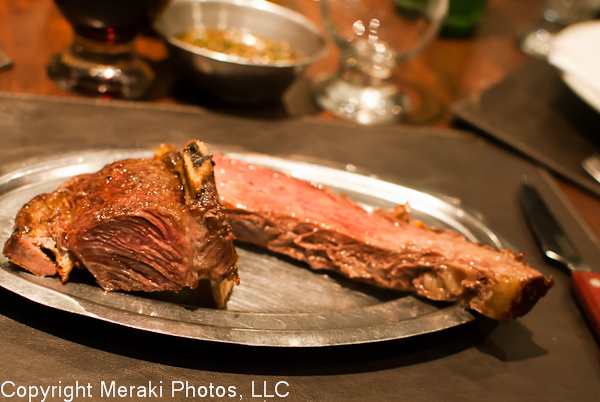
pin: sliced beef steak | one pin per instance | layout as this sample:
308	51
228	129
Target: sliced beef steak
137	224
311	224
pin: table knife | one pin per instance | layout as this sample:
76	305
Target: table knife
557	246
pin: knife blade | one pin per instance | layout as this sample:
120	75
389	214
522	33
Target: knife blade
591	164
557	246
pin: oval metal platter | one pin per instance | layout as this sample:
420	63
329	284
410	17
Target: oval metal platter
280	302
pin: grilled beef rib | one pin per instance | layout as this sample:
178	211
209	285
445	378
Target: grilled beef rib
137	224
312	224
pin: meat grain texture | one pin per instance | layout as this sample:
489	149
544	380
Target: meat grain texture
328	231
136	225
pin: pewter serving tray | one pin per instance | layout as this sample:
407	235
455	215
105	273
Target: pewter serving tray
280	302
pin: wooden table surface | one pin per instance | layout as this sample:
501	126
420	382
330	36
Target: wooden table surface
31	31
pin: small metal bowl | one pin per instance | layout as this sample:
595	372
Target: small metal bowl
232	79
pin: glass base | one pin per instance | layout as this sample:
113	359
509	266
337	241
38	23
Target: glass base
125	77
538	43
362	104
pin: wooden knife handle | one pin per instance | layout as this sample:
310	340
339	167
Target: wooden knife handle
586	286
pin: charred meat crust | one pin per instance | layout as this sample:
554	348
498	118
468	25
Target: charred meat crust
137	224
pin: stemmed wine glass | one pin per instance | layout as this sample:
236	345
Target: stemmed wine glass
373	36
101	60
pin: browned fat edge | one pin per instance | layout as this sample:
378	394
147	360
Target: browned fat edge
530	293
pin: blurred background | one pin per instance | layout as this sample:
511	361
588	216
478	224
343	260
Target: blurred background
479	47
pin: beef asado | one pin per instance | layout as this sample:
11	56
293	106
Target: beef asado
136	225
329	231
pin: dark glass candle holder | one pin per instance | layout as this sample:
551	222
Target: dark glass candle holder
102	60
